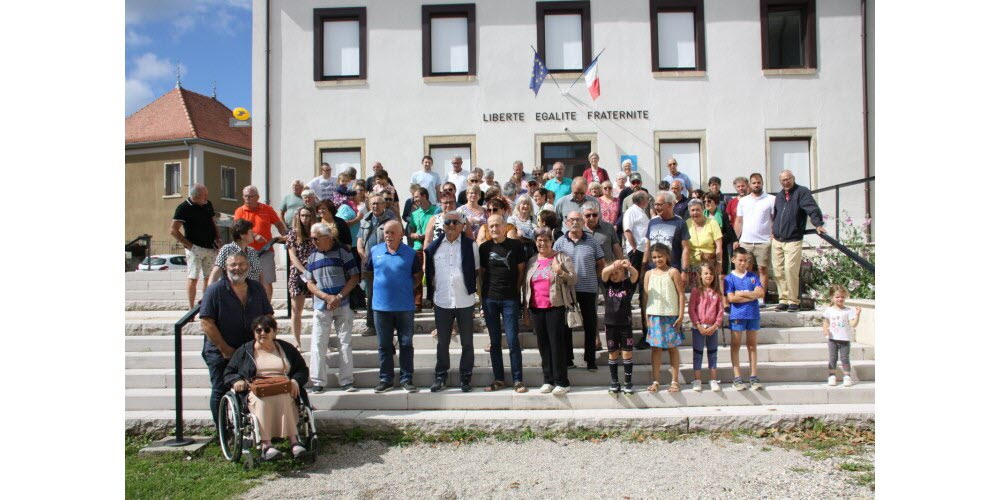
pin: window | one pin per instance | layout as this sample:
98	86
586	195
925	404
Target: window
791	154
687	152
564	35
443	153
228	183
340	49
788	33
678	29
449	33
573	156
341	159
171	179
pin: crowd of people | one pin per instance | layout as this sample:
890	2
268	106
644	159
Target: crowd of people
540	247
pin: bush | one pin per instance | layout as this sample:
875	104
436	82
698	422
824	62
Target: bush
832	267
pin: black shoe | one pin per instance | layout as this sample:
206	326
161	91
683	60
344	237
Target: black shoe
316	389
438	386
783	307
408	386
592	367
615	388
571	365
727	309
642	346
383	387
629	389
466	386
792	308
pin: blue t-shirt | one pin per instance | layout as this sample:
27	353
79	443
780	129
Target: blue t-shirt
743	310
392	283
670	232
560	188
330	271
429	180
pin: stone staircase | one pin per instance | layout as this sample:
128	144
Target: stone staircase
792	357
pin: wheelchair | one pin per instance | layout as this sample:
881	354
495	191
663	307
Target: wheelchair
239	430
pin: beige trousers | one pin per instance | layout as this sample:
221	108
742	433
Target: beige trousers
787	258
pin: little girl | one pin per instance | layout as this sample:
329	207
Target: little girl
618	290
705	310
838	326
664	314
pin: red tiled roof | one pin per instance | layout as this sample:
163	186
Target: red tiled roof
182	114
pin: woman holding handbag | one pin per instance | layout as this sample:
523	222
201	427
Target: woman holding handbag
550	280
274	373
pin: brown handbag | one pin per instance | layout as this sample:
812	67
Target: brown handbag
263	387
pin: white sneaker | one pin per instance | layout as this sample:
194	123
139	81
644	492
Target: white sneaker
848	381
696	386
714	384
560	390
547	388
832	381
760	302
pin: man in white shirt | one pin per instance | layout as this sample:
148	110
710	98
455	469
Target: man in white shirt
451	263
754	218
428	179
457	176
324	185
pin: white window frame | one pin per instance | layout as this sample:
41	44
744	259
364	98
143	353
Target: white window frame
179	183
698	136
222	183
805	134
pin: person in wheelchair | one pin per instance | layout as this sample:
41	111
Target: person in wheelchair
266	356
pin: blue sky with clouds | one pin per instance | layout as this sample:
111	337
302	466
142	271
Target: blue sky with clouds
210	39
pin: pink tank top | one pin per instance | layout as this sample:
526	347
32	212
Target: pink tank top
541	282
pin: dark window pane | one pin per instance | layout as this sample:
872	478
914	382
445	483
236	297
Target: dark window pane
180	261
784	39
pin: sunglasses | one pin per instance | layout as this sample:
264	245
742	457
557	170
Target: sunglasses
591	216
452	222
263	330
491	210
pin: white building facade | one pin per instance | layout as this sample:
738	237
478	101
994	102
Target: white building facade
728	87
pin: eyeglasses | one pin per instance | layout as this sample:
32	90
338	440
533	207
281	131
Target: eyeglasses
591	216
475	180
491	210
317	238
266	329
605	187
574	219
671	164
452	222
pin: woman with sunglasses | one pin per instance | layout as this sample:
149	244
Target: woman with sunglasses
608	202
299	249
266	356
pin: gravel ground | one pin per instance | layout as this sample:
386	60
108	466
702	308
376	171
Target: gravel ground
569	469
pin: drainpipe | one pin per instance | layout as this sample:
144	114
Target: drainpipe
267	101
191	179
864	107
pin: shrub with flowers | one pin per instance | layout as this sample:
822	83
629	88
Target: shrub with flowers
832	267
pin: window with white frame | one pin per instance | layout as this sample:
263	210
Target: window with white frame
564	35
688	156
342	158
171	179
443	153
449	39
228	181
678	29
339	44
789	154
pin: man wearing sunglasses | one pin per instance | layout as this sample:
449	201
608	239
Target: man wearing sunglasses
331	274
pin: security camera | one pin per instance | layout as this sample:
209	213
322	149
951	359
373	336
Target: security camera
565	129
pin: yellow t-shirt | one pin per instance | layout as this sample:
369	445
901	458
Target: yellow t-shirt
703	238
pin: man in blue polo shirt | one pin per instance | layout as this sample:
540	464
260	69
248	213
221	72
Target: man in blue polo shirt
559	185
394	269
227	310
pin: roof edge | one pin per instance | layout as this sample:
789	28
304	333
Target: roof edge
181	142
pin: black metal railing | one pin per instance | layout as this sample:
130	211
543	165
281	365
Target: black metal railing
179	439
836	189
861	261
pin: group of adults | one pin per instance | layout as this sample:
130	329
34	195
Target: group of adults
528	249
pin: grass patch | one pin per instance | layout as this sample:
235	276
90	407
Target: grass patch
799	470
857	467
866	479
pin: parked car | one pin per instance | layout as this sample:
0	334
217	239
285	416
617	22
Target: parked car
167	262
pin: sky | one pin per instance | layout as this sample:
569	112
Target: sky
209	39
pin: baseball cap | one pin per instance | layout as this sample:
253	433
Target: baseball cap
635	177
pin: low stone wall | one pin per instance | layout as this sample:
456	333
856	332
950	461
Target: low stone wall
865	332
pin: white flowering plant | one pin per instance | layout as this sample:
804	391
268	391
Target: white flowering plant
832	267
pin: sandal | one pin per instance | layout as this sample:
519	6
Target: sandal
298	449
654	387
674	387
266	454
520	388
495	386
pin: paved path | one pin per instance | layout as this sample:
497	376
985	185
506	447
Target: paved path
692	467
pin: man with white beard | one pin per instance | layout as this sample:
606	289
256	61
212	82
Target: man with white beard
227	311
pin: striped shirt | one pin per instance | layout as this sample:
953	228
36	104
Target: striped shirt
231	248
585	253
330	271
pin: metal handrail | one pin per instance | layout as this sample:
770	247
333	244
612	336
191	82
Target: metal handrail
843	185
861	261
179	439
149	248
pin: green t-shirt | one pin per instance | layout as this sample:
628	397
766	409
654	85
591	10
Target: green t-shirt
290	204
418	220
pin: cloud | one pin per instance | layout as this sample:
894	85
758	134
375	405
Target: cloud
137	95
135	39
184	15
148	71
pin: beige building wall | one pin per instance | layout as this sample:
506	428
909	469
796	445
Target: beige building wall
147	210
213	180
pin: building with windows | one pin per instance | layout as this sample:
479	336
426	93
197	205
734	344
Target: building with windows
179	139
727	87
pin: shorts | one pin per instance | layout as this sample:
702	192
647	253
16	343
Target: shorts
267	273
662	333
741	325
761	252
619	337
199	261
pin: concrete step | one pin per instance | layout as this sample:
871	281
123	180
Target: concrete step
770	372
179	277
194	341
368	358
578	398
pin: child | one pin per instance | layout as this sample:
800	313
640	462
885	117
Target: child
705	311
664	314
838	326
618	319
743	288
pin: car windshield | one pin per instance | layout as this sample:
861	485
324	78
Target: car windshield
154	261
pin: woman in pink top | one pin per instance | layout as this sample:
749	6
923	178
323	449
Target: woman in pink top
550	277
609	204
705	310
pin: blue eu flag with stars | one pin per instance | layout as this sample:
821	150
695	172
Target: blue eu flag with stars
538	74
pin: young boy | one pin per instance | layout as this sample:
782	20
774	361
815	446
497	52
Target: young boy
743	288
618	319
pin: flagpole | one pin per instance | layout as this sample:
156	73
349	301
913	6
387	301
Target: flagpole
585	69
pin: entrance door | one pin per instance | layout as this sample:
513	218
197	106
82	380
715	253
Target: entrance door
572	154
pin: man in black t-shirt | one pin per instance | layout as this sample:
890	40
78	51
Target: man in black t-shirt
200	239
501	273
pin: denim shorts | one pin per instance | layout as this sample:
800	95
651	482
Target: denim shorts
740	325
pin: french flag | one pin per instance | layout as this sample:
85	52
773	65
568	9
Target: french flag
593	81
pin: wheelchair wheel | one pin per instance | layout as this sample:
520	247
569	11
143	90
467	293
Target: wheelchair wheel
230	427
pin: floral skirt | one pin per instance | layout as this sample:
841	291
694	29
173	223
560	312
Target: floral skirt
662	333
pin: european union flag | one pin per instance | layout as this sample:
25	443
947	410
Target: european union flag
538	74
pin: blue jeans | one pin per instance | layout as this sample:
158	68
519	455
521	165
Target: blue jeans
216	369
388	323
698	344
509	311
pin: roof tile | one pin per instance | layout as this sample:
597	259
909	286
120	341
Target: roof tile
183	114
